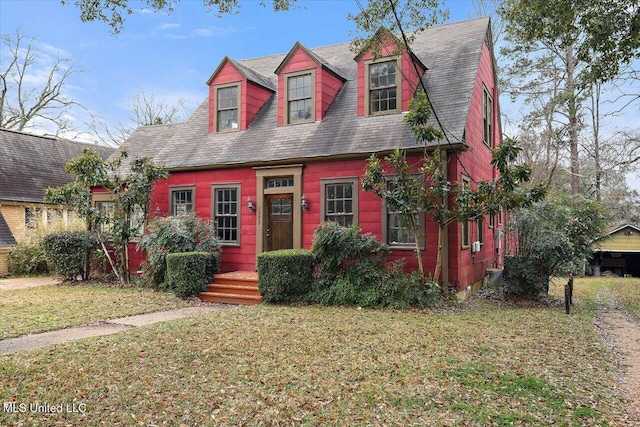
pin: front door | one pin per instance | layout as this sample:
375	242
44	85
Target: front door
279	222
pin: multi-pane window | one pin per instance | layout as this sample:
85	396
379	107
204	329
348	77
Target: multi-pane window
227	108
226	211
299	98
280	182
107	211
383	87
487	118
54	216
340	199
480	229
181	201
32	217
398	231
136	220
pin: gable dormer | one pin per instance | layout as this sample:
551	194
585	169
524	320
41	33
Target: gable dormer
388	76
236	95
307	85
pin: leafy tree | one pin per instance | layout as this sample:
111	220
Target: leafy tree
397	16
22	103
551	237
167	235
113	12
430	191
563	50
130	193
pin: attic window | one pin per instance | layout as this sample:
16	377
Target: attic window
487	118
384	88
227	108
300	103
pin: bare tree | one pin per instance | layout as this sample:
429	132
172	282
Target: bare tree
146	109
32	92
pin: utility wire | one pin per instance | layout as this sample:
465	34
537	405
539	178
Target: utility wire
422	84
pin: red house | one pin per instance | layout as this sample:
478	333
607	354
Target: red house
281	142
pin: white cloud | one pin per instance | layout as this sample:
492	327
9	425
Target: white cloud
201	32
168	26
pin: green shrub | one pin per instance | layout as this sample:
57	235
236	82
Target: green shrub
338	247
286	275
69	252
352	271
27	258
550	238
371	285
188	273
166	235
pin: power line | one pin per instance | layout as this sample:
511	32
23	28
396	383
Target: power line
422	84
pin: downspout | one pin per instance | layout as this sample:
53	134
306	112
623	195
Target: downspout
444	237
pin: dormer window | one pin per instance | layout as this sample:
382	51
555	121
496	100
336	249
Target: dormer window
227	108
300	102
384	80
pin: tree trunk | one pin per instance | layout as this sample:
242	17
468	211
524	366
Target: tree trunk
595	119
573	121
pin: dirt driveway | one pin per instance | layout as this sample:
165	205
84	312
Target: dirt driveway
26	282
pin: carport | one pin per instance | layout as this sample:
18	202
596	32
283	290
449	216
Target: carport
618	251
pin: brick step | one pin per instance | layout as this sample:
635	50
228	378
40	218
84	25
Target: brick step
233	288
238	287
230	298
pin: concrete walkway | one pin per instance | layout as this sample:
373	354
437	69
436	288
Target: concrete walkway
26	282
30	342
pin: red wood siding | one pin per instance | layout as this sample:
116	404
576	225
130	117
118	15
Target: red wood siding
252	96
467	267
410	80
327	84
227	74
233	258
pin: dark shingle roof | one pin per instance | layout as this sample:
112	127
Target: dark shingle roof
6	237
451	53
31	163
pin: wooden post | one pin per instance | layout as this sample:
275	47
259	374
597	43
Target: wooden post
570	289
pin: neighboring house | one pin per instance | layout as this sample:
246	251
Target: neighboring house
281	142
28	165
618	251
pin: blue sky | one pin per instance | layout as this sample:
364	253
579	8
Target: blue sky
172	55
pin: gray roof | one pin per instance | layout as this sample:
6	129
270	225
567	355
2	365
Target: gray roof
31	163
6	237
451	53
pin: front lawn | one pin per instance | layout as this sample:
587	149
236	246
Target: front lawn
46	308
483	363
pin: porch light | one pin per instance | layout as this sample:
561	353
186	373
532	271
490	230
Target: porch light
303	200
250	204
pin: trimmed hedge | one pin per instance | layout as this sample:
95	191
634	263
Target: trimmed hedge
189	272
68	253
285	276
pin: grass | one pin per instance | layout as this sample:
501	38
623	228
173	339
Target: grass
482	363
46	308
